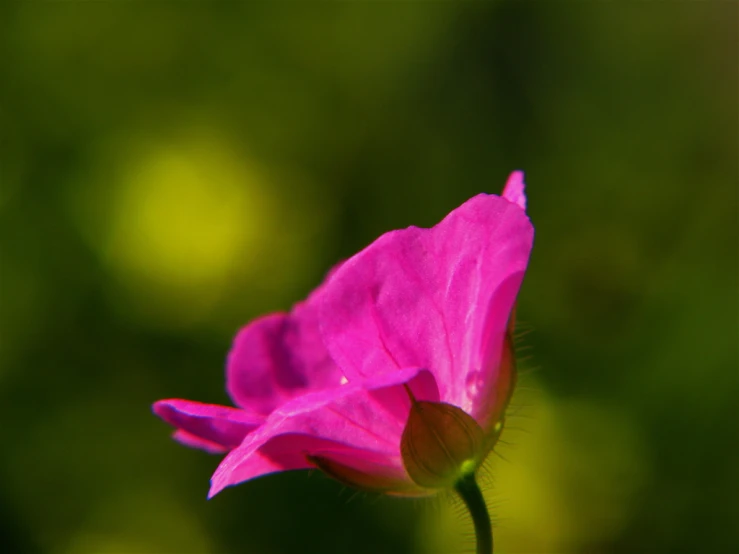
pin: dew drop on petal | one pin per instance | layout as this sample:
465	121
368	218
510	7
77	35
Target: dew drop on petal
475	384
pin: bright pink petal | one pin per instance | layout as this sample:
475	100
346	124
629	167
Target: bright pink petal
482	384
193	441
208	426
514	189
360	419
435	298
278	357
291	451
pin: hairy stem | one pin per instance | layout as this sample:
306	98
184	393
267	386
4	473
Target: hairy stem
470	492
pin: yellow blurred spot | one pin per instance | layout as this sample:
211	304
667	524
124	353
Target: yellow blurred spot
568	485
184	223
180	219
191	230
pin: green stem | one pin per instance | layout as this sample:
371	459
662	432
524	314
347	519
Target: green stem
470	492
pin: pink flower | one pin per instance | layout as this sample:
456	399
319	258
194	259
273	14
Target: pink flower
419	315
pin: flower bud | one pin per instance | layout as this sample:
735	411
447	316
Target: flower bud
440	444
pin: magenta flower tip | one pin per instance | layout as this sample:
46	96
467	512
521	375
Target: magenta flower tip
514	189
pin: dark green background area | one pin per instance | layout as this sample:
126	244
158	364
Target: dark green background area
362	117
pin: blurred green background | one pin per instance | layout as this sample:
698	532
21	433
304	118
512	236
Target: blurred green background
171	169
